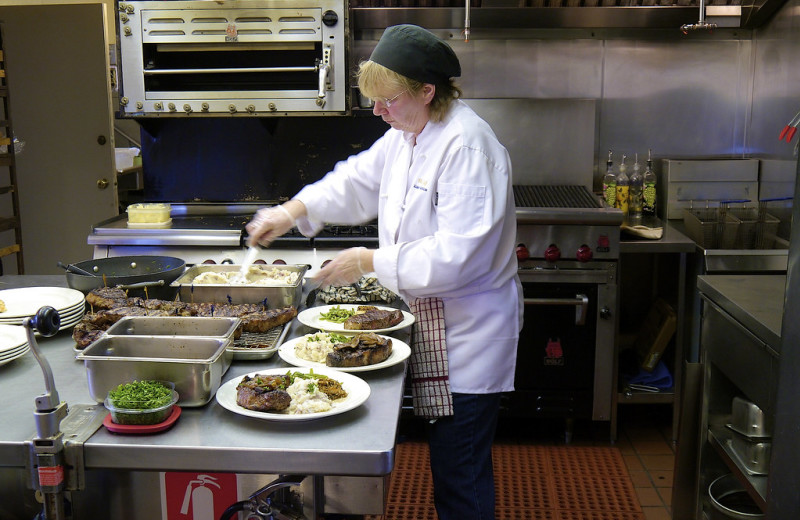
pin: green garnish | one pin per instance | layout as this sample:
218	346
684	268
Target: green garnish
336	314
140	395
338	338
301	375
311	388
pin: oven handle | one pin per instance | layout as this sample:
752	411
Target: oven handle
243	70
581	303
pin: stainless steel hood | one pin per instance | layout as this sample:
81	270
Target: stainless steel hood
570	14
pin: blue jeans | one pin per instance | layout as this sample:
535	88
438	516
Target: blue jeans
461	458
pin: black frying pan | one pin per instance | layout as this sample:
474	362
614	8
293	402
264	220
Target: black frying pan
135	273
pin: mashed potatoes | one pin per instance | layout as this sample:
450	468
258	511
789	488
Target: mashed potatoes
315	347
255	275
307	398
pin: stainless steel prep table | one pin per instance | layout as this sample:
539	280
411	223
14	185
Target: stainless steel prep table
360	442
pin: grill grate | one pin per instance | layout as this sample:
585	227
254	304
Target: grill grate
570	196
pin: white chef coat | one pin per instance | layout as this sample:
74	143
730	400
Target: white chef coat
447	229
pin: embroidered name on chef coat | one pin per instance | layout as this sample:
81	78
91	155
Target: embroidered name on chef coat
420	184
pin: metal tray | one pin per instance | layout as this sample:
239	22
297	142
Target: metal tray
174	326
252	346
748	419
752	456
196	365
276	296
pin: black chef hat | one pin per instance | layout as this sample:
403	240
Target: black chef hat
416	53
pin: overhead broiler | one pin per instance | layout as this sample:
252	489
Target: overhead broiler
232	58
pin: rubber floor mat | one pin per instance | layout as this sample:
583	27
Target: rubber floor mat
531	483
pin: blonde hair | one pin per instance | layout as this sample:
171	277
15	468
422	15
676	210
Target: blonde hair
374	78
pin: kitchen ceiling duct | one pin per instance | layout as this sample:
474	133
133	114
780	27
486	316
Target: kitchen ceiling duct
562	14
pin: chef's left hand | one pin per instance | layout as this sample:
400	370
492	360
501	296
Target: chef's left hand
346	268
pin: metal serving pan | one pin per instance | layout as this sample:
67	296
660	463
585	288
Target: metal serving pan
276	296
196	365
174	326
748	419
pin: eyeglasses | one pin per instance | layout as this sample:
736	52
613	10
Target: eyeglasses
388	102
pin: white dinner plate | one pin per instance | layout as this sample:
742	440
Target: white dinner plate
17	356
357	392
65	316
15	352
12	337
311	318
400	352
26	301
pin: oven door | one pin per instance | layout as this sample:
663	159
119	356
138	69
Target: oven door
566	346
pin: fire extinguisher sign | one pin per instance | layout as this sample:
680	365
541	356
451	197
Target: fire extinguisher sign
196	496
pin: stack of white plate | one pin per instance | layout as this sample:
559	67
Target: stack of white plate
13	343
24	302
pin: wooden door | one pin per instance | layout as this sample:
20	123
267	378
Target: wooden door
57	61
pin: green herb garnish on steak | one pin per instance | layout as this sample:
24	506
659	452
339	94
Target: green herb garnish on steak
140	395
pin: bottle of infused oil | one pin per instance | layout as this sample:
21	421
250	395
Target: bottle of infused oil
622	187
610	183
635	192
649	190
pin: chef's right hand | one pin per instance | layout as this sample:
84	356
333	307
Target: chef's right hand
269	223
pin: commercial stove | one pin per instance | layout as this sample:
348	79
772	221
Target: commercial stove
568	253
215	233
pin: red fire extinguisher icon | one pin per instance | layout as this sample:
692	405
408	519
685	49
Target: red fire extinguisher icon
200	497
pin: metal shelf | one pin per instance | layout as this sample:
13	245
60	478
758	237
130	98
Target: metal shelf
756	485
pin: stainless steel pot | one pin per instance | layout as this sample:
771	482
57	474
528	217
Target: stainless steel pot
142	275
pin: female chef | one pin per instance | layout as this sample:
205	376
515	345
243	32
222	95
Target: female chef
439	183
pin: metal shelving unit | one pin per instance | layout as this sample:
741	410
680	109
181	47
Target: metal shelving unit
8	179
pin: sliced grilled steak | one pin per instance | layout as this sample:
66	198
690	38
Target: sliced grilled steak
85	334
268	319
373	319
362	350
263	393
106	298
224	310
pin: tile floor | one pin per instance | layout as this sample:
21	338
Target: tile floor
644	440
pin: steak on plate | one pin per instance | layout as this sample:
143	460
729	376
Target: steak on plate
363	349
373	318
263	393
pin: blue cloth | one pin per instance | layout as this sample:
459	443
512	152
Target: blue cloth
461	458
659	377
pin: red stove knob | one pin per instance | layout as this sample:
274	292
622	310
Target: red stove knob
326	262
209	261
584	253
522	252
278	262
552	253
260	261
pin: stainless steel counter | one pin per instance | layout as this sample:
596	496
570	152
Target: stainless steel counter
756	301
360	442
672	241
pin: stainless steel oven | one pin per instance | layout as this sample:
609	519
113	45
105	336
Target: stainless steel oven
233	57
568	252
566	347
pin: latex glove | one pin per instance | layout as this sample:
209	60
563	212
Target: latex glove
268	224
346	268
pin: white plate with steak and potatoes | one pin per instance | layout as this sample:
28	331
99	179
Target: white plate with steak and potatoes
358	353
281	394
350	319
